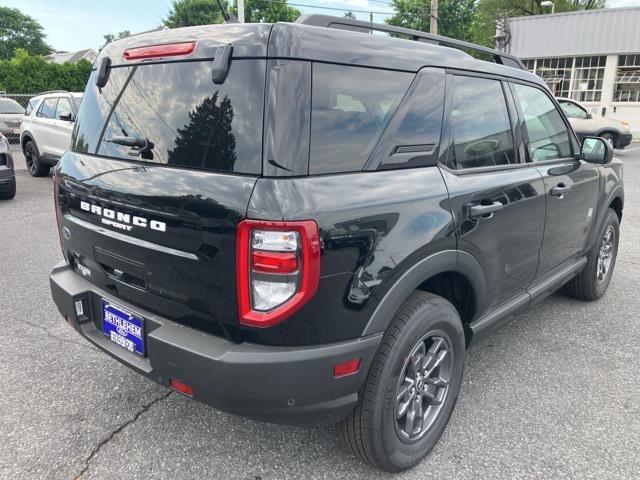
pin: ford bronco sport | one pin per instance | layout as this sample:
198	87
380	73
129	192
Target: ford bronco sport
300	223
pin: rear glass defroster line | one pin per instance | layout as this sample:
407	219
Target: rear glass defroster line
113	107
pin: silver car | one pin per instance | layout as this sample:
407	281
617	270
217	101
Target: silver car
11	114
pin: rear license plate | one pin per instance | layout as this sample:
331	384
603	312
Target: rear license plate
123	328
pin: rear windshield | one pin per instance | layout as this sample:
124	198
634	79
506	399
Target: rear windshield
179	114
8	105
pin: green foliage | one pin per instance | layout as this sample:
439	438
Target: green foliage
454	16
18	30
185	13
25	73
488	11
110	37
261	11
350	14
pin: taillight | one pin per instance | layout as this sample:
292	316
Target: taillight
167	50
278	269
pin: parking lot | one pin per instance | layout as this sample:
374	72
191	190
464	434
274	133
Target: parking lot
556	394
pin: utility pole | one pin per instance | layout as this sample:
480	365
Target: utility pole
433	17
371	17
241	11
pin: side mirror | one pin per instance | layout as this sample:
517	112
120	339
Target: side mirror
589	116
596	150
67	117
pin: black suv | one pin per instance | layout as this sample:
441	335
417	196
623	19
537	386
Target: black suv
301	223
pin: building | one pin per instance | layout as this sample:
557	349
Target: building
592	56
88	54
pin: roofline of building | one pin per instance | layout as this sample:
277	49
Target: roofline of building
575	12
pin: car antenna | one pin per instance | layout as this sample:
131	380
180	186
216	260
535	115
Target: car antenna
228	17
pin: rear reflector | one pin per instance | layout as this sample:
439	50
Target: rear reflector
181	387
168	50
274	262
345	368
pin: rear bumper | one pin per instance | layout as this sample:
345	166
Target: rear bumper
284	385
624	139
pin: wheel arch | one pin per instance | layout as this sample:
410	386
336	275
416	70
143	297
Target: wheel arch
26	136
455	275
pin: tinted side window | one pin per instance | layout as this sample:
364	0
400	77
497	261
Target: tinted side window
48	108
548	135
63	108
480	124
413	135
350	108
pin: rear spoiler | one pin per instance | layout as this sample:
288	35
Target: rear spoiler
343	23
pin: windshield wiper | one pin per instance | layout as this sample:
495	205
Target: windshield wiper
139	146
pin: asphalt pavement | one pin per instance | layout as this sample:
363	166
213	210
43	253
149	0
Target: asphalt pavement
555	394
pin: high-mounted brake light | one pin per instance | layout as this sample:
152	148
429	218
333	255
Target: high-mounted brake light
167	50
278	269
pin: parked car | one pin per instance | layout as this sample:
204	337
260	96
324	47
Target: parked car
586	124
11	113
313	226
45	133
7	174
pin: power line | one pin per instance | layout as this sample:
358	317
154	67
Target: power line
326	8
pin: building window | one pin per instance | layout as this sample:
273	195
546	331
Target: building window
627	84
579	78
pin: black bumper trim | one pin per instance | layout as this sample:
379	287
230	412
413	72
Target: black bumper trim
293	385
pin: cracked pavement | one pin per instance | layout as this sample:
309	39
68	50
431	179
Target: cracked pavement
555	394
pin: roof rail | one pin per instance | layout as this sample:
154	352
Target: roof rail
343	23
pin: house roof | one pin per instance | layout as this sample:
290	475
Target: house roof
88	53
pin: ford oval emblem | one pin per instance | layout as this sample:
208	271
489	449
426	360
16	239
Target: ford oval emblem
66	233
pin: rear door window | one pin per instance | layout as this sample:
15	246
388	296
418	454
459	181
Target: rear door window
350	108
186	119
48	108
480	124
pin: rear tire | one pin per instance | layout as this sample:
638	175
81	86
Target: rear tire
593	281
32	158
380	431
11	193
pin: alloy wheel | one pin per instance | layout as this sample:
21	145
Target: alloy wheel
29	156
423	386
605	255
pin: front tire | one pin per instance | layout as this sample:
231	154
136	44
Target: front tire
612	138
32	158
411	388
593	281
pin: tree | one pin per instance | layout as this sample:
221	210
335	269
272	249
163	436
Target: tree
110	37
489	11
454	16
18	30
185	13
350	14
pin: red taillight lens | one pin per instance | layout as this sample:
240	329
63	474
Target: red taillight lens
274	262
345	368
278	269
167	50
181	387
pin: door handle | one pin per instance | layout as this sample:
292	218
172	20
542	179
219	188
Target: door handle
482	210
560	190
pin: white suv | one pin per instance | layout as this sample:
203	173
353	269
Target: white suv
45	132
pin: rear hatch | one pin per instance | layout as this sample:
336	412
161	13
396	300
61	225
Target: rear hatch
161	169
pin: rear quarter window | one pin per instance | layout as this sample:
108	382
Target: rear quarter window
190	121
350	108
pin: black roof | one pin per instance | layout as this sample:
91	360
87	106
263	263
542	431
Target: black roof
316	43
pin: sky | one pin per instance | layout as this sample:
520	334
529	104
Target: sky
72	25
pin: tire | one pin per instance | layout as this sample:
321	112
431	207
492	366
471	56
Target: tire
591	284
376	431
612	138
32	158
11	193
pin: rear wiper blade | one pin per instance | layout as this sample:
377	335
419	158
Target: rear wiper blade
129	141
140	146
